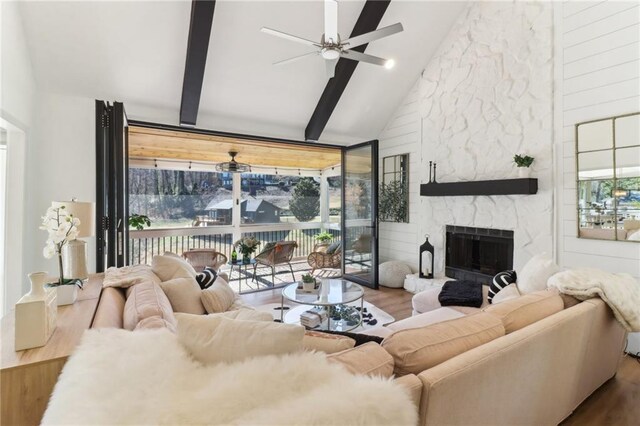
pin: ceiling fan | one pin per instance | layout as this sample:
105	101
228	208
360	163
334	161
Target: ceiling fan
331	47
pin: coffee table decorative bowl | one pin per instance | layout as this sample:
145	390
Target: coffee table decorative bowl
329	304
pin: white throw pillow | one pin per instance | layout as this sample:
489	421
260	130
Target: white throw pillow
169	267
184	295
214	338
507	293
536	273
218	297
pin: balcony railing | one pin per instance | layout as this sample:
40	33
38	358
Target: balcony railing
143	245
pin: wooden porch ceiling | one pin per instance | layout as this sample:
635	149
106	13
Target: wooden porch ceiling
147	143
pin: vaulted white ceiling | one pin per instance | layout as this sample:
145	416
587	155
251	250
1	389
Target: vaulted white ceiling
134	52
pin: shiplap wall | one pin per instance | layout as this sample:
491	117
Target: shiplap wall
597	75
400	241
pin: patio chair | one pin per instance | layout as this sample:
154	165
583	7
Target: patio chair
201	258
320	259
279	253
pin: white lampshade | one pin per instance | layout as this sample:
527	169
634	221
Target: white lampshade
85	211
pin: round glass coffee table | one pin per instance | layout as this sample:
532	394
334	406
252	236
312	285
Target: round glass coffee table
330	294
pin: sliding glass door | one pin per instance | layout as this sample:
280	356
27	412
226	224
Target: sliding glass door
112	181
360	213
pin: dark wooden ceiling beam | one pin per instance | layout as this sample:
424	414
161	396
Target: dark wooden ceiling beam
369	19
197	47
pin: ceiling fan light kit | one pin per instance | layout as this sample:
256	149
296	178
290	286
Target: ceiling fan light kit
233	166
331	47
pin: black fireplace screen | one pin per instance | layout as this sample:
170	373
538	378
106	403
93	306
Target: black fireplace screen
478	254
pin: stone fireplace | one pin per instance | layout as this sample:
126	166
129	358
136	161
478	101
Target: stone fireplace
477	254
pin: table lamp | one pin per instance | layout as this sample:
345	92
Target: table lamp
74	253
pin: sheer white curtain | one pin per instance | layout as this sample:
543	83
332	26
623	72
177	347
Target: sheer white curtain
3	207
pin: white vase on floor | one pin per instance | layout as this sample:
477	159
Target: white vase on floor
67	294
523	172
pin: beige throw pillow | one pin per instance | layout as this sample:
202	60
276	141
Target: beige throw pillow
184	295
218	297
168	267
369	359
147	300
214	338
536	273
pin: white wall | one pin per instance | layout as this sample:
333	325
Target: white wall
484	96
402	136
61	165
597	75
17	99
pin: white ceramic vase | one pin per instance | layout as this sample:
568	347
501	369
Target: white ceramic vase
67	294
308	286
38	280
523	172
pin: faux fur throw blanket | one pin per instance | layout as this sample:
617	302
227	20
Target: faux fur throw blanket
620	291
148	378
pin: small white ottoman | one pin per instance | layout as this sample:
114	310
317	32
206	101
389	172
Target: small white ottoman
393	273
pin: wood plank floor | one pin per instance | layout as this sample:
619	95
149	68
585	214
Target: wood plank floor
617	402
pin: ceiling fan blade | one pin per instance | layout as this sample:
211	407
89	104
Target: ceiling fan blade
331	21
289	37
363	57
331	67
296	58
372	36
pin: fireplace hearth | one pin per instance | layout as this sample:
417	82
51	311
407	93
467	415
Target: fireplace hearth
477	254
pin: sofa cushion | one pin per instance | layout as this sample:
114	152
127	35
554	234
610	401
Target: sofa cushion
325	342
524	310
369	359
169	266
214	338
507	293
147	300
417	349
184	295
246	314
128	276
218	297
428	318
110	310
154	322
535	273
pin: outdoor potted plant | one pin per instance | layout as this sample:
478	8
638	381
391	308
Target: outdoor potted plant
308	282
139	221
62	227
523	162
247	246
323	240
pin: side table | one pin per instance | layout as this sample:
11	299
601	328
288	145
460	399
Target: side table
27	377
242	266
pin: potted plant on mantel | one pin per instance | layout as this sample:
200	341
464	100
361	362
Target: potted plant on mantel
523	162
62	228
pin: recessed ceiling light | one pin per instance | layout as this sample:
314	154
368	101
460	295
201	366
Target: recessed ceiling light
389	64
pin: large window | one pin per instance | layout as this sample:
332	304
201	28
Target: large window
180	198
